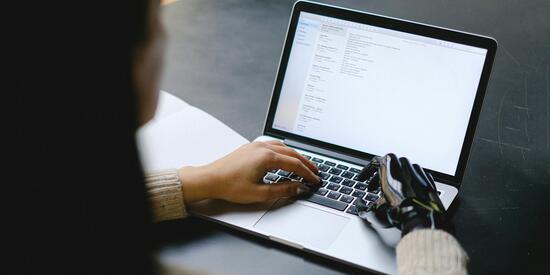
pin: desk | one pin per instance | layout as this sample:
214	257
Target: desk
223	55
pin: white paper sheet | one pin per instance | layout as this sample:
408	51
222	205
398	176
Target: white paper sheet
182	135
168	104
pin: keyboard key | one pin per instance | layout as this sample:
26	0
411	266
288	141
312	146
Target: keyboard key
333	195
346	199
356	178
324	183
358	194
333	186
338	205
324	175
352	210
348	183
330	163
323	167
371	197
296	177
336	179
347	174
343	167
306	156
367	203
317	160
373	188
284	173
361	186
271	177
274	171
335	171
321	191
355	170
346	190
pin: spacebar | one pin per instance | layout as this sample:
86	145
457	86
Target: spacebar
338	205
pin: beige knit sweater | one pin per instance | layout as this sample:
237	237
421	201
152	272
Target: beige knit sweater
419	252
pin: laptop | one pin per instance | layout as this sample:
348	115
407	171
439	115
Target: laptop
352	85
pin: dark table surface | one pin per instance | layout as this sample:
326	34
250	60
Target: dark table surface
223	55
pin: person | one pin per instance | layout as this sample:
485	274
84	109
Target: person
85	76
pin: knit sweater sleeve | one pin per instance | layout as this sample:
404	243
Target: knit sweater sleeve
425	251
166	196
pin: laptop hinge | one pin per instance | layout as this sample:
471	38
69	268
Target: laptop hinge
325	152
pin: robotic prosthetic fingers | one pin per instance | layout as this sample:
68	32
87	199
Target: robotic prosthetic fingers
409	196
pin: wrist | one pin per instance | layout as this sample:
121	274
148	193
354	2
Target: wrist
197	183
416	214
423	219
413	224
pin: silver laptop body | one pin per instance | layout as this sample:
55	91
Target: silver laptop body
352	85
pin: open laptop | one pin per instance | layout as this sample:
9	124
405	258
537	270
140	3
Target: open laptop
352	85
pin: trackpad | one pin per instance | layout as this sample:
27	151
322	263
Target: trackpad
302	224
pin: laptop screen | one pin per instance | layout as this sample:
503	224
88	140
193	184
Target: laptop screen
378	90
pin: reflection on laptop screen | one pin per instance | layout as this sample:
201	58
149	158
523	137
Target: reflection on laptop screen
378	90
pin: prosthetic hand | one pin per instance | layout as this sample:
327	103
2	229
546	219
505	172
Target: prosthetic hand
409	197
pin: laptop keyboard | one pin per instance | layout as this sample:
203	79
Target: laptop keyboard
340	189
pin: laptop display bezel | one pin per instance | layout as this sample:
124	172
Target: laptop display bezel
394	24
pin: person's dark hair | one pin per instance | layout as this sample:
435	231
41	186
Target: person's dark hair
74	188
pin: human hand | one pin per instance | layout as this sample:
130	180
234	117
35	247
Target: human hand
237	176
409	196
